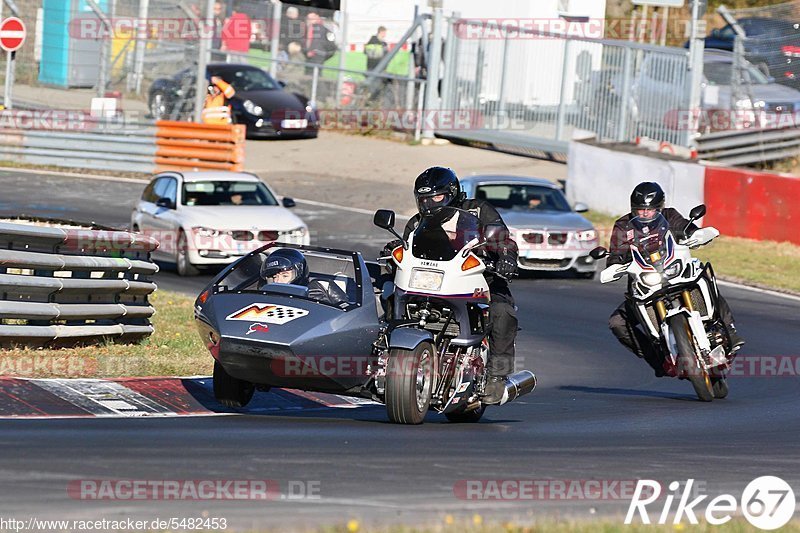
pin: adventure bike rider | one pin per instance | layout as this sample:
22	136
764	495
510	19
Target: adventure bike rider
647	202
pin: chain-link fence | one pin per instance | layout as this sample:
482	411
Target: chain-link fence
552	87
146	54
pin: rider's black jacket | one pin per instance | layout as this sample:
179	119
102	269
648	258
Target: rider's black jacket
486	214
622	235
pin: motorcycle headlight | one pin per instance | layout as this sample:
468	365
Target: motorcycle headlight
673	270
252	108
426	280
587	235
206	232
652	279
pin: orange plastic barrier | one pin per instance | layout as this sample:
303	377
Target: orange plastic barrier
192	146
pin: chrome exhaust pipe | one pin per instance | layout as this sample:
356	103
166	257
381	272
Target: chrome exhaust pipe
519	384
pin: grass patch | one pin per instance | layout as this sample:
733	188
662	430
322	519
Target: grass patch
764	264
604	526
174	349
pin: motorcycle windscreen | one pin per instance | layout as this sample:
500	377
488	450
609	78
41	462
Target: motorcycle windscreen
651	238
442	235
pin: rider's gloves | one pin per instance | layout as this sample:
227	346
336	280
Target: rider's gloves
389	248
506	266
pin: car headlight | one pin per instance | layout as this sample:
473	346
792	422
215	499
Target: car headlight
746	103
206	232
252	108
295	233
426	280
673	270
652	279
587	235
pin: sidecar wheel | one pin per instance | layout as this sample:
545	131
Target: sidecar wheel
409	383
231	391
461	417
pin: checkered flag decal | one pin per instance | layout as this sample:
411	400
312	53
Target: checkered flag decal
268	313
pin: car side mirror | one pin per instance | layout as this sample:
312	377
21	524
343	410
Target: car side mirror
698	212
384	219
581	207
598	253
282	84
165	202
288	202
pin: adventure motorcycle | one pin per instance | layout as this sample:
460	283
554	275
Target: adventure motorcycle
675	298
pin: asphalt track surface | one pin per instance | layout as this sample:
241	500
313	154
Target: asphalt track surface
598	414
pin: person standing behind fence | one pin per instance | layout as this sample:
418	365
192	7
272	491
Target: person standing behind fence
216	109
293	29
376	48
236	35
320	42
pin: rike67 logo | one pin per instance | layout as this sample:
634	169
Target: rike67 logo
767	503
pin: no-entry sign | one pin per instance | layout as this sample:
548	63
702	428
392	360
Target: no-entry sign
12	34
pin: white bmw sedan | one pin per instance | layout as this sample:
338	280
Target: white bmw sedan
213	218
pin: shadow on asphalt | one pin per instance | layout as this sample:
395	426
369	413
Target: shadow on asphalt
629	392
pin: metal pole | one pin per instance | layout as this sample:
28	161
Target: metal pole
102	81
627	77
434	62
9	84
562	103
420	109
315	84
696	50
205	31
141	44
448	84
642	30
665	27
343	50
275	44
501	104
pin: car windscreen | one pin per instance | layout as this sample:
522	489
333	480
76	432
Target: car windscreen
521	197
332	278
719	73
219	193
441	236
248	79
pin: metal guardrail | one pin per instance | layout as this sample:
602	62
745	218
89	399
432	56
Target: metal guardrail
742	147
63	286
147	147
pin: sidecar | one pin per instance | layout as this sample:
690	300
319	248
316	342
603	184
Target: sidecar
272	335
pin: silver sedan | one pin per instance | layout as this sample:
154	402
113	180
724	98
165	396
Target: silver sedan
551	235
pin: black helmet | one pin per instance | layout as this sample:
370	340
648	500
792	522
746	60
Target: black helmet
434	182
286	260
647	195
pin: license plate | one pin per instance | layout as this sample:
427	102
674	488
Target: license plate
294	124
545	254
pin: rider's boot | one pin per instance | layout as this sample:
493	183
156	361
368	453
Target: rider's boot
495	392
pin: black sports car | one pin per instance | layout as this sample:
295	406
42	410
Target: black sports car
260	103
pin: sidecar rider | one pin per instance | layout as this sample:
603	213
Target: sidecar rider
647	202
289	266
437	188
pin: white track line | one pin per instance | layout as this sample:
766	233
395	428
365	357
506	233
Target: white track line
759	290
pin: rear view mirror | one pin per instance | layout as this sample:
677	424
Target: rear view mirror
698	212
165	202
598	253
495	233
384	219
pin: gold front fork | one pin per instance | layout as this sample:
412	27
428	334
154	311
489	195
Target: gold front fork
661	308
687	301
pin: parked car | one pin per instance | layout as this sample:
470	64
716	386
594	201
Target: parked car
204	219
656	94
551	235
772	45
261	103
